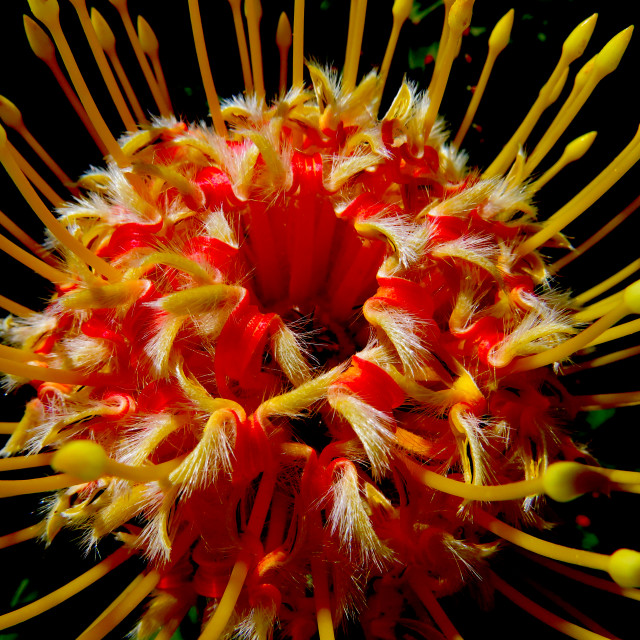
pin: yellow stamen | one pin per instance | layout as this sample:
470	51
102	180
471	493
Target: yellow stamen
47	11
433	607
253	13
108	43
601	361
401	10
38	266
444	36
122	606
7	428
26	240
29	533
15	308
12	117
205	69
596	237
550	619
103	65
619	331
39	208
607	284
21	355
608	401
88	461
163	107
586	81
36	179
298	44
242	45
47	374
354	44
151	46
25	462
572	152
598	309
498	40
630	303
43	48
458	20
321	599
284	38
583	200
572	48
9	488
64	593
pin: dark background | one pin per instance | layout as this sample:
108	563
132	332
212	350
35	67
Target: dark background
539	29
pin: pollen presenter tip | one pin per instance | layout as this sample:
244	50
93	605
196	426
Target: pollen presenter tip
82	459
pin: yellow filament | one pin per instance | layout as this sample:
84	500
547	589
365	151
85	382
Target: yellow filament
31	372
433	607
124	604
205	69
29	533
601	361
36	179
21	355
441	44
321	598
550	619
283	40
56	228
458	20
51	20
354	44
163	107
108	43
598	309
44	49
253	13
64	593
15	308
20	235
596	237
151	46
25	462
103	65
572	49
401	10
38	266
9	488
619	331
608	400
298	44
572	152
7	428
498	40
242	45
603	64
605	285
583	200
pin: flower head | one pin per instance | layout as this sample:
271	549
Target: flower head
307	361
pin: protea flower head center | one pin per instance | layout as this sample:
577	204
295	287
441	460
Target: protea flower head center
305	360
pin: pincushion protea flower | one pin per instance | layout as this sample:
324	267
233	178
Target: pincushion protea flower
306	361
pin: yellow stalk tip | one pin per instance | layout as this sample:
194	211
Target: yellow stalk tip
632	297
148	40
501	33
460	15
611	54
103	31
39	41
566	481
578	39
624	568
578	147
402	9
9	113
45	10
284	34
84	459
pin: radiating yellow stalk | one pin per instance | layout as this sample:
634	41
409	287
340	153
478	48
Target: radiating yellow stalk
253	13
48	374
7	428
608	283
25	239
242	45
29	533
25	462
9	488
354	44
151	46
297	65
608	400
15	308
602	361
284	39
36	265
35	178
321	598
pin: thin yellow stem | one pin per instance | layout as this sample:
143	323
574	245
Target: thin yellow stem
601	361
322	599
7	428
128	89
354	44
253	13
29	533
48	374
583	200
205	69
35	178
25	239
284	40
550	619
64	593
498	40
598	309
444	36
151	46
122	606
40	209
9	488
25	462
619	331
596	237
163	107
298	44
38	266
242	45
608	401
103	65
607	284
15	308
